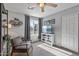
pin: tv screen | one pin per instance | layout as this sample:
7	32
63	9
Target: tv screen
47	29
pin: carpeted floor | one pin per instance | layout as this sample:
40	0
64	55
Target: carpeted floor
37	51
43	49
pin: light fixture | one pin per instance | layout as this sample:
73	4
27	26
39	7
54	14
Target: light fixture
30	7
42	6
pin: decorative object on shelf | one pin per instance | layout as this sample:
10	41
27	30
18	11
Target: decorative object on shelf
5	37
5	26
16	22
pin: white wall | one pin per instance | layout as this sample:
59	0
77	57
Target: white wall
19	30
70	31
58	22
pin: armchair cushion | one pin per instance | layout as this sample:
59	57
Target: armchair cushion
17	41
21	47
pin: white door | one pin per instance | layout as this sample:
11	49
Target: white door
34	30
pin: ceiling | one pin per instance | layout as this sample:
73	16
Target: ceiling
22	8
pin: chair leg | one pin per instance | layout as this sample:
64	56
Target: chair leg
12	52
27	52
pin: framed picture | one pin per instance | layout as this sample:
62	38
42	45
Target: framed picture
52	21
49	22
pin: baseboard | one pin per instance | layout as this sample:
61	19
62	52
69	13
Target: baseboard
36	41
66	49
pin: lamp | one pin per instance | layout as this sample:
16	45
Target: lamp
5	26
9	26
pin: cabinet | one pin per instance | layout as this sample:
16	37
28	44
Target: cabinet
47	38
70	31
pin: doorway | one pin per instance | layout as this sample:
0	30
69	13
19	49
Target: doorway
34	29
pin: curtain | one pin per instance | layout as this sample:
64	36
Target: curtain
40	27
27	27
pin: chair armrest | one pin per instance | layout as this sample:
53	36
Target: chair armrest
19	45
26	43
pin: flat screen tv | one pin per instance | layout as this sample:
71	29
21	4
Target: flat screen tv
47	29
